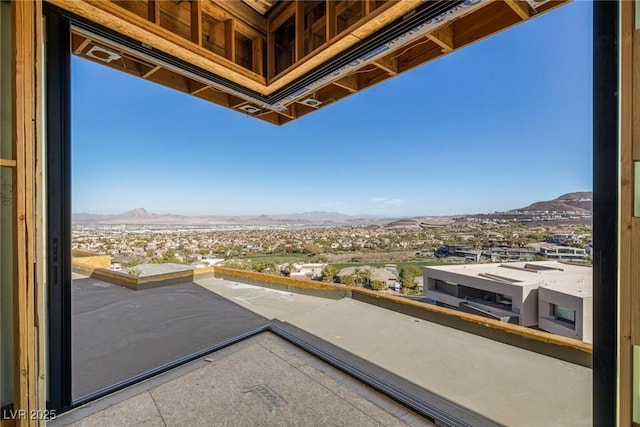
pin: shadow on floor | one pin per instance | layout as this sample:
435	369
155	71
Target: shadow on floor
119	333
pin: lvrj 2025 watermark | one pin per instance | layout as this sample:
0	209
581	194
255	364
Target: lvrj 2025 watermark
35	414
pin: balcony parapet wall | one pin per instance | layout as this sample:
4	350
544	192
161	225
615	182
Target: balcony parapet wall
137	283
567	349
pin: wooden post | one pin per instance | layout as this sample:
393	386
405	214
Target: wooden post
629	296
196	22
271	53
27	18
331	19
229	40
257	44
153	11
299	42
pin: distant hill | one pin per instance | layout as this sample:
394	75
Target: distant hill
579	202
141	216
135	214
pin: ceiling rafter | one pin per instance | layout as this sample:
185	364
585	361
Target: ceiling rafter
443	37
349	82
520	7
151	71
388	63
234	41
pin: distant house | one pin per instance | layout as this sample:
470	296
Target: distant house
562	252
510	254
307	271
386	275
458	251
552	296
561	238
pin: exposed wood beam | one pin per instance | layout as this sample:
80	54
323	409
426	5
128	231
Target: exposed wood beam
258	55
229	40
280	16
388	64
196	22
380	18
171	79
196	87
153	11
237	11
237	102
219	11
271	117
628	226
367	7
299	41
136	65
443	37
151	71
82	46
331	19
112	16
290	112
214	95
520	7
8	163
271	55
349	83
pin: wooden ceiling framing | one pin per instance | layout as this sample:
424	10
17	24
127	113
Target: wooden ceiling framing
262	48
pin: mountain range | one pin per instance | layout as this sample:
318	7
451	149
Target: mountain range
579	201
142	216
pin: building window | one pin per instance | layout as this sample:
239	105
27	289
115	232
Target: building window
504	299
563	314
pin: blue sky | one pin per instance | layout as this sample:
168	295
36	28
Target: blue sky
494	126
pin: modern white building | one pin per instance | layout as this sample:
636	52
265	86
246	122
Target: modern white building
552	251
551	295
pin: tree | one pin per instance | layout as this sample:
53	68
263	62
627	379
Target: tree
329	273
408	275
347	280
377	285
362	276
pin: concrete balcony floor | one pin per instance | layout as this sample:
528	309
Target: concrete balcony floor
261	381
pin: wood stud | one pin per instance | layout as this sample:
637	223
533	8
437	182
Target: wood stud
26	134
153	9
196	22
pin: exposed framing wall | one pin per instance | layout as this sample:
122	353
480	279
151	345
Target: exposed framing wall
629	262
29	303
29	389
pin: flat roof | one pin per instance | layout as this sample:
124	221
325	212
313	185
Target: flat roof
573	279
478	374
501	382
